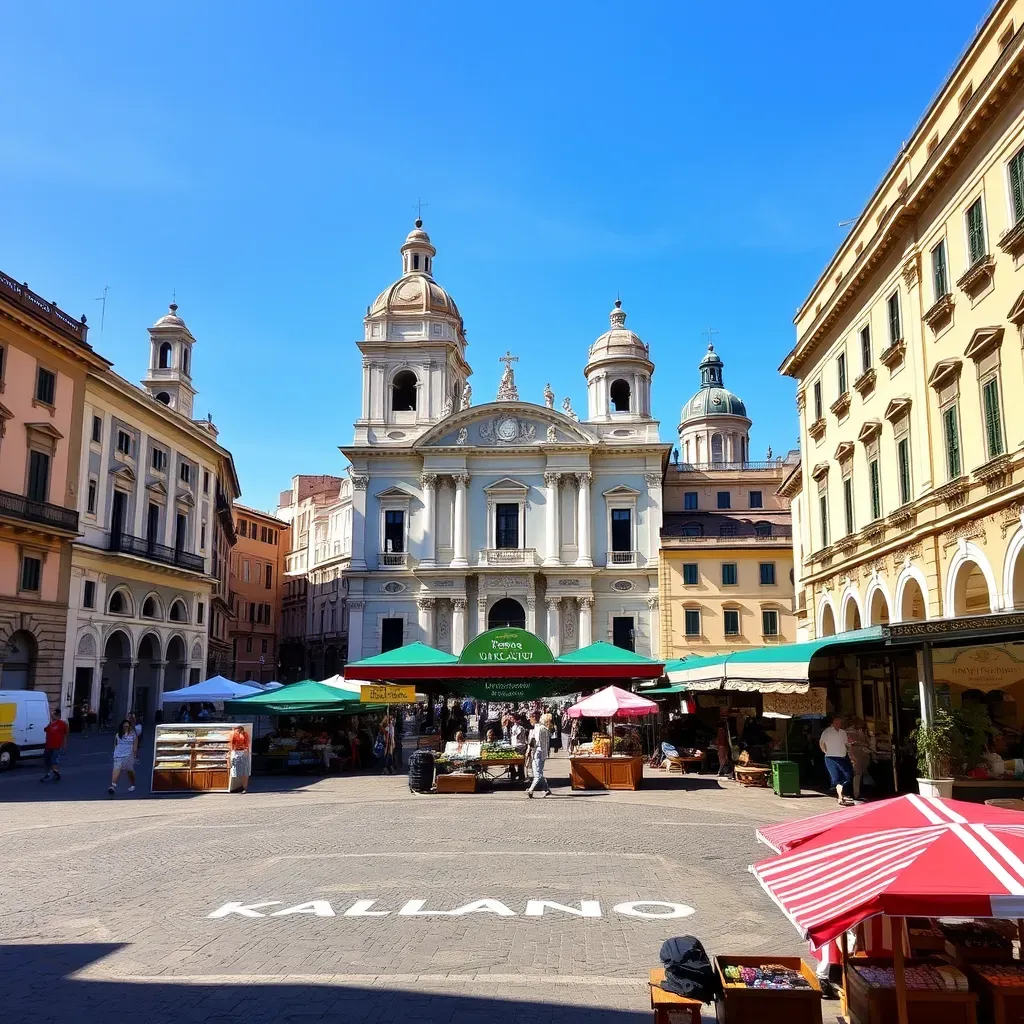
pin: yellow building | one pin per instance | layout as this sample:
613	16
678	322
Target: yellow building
909	503
726	559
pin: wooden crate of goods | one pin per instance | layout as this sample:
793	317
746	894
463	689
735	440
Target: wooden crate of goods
925	936
456	783
756	990
937	992
976	941
1000	988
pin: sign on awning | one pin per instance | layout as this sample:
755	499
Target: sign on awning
795	704
371	693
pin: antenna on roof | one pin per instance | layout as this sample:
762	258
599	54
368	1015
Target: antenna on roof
103	309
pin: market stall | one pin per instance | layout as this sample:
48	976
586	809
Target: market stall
463	765
909	857
599	765
196	758
214	690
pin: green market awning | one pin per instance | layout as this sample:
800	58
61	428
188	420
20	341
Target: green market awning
306	698
602	653
783	668
412	656
663	691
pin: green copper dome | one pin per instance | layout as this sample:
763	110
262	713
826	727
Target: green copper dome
713	399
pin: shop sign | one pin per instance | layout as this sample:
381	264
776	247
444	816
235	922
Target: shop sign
796	704
372	693
645	910
507	646
977	668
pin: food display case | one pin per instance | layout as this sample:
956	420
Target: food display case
937	992
194	757
767	990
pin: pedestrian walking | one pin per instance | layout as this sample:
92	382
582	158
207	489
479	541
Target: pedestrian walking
126	746
241	757
386	739
539	743
55	745
835	745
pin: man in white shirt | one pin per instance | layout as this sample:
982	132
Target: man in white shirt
835	746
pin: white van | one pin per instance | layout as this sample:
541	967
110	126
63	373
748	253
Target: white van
24	715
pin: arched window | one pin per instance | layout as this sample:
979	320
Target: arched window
619	394
162	396
119	603
150	609
763	529
178	613
184	360
415	261
403	391
716	448
165	355
506	612
426	264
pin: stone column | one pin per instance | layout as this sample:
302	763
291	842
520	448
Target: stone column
554	530
655	626
358	523
458	624
425	606
130	705
585	556
481	615
926	685
355	630
531	614
461	523
158	677
586	621
554	627
428	483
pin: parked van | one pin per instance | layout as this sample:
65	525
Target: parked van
24	715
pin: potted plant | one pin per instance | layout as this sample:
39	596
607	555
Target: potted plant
948	749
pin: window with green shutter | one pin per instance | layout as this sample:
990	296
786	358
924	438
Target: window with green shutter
940	272
848	503
770	622
952	431
895	327
728	574
903	467
690	574
993	423
841	373
876	490
865	348
1017	186
823	512
976	231
732	622
818	410
692	622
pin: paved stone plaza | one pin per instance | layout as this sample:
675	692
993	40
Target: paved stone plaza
105	904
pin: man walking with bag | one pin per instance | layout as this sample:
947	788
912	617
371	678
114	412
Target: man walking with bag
539	744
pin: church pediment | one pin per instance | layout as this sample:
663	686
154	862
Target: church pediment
506	425
622	491
125	473
395	492
506	484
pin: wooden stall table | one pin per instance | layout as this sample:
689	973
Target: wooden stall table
1001	996
498	768
589	772
740	1004
683	764
870	1005
668	1007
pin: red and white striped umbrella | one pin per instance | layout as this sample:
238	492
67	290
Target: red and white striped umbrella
907	857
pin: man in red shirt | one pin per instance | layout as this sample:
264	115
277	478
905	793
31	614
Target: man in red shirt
56	744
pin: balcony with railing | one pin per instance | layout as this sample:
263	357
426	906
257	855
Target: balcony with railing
505	557
622	558
704	467
17	506
126	544
394	560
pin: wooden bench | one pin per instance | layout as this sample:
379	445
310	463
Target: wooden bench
668	1007
683	764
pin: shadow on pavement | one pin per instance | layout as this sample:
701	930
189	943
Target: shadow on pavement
38	986
686	783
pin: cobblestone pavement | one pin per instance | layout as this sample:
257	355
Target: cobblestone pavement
106	903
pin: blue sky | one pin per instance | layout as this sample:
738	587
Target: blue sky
263	160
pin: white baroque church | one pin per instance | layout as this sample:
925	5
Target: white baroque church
508	512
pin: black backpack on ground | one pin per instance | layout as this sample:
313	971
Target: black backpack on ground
688	969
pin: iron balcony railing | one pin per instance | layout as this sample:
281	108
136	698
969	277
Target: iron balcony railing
142	548
703	467
17	506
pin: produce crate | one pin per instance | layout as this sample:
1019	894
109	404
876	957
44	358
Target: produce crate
741	1005
1000	1003
668	1007
748	775
786	778
456	784
867	1005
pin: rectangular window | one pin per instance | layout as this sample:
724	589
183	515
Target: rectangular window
506	525
692	623
38	476
89	594
876	489
153	523
940	271
767	574
895	324
159	460
624	632
691	575
724	500
725	530
243	525
248	645
46	386
848	503
390	634
731	617
269	576
622	529
263	646
690	501
245	570
769	622
756	499
729	574
951	430
823	517
819	410
200	611
124	442
1017	186
90	505
394	530
31	571
841	373
185	473
252	613
202	537
97	429
865	348
264	534
903	468
976	246
206	481
993	420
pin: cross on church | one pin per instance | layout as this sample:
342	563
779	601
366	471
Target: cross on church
419	209
711	332
508	359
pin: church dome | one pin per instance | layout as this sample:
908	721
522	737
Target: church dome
170	318
713	398
415	292
619	342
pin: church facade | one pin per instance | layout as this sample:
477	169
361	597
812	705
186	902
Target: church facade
509	512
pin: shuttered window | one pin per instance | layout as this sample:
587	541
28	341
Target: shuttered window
976	232
940	271
692	624
993	423
952	431
903	468
876	490
38	476
848	503
895	327
1017	186
823	512
841	373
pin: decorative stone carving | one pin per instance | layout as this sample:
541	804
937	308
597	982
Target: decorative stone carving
392	587
443	627
567	408
912	271
356	606
586	603
77	571
652	603
623	586
549	397
507	390
652	479
425	603
462	436
551	479
359	482
428	480
506	582
507	430
87	646
552	434
197	651
459	604
583	478
971	530
1009	518
467	395
446	409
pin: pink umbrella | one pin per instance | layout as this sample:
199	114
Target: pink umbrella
613	702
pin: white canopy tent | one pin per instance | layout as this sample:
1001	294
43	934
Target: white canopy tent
211	690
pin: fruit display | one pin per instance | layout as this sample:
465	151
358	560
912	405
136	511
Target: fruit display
773	976
1003	975
921	977
499	752
975	935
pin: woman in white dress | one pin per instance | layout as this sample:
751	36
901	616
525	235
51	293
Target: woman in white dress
126	748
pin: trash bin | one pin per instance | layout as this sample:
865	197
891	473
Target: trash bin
786	778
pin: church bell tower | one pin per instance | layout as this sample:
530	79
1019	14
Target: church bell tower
169	377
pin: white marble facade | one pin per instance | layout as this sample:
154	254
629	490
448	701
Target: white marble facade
467	516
